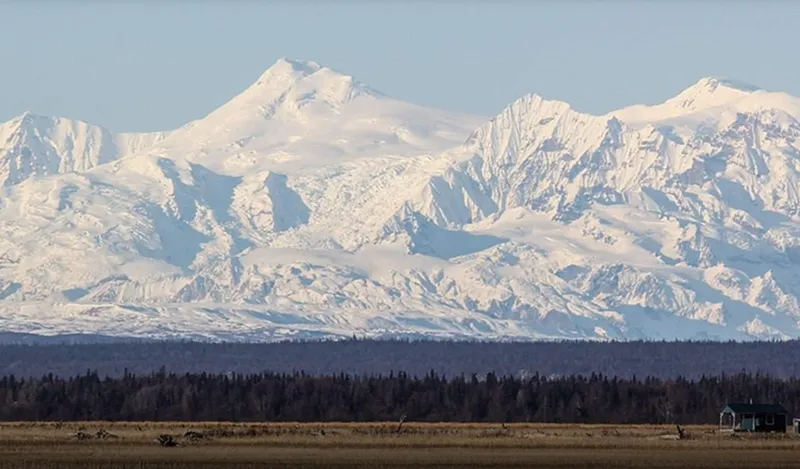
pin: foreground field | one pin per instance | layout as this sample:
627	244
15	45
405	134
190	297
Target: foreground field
383	446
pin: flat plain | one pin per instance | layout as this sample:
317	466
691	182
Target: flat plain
115	445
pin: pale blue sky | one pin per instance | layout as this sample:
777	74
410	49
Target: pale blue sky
152	65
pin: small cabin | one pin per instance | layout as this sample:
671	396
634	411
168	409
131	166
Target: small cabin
753	418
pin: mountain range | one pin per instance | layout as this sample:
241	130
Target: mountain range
313	206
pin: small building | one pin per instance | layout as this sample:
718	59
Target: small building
753	418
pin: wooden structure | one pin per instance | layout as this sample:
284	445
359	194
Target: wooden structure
753	418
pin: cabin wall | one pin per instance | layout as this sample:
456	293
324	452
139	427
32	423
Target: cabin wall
778	424
754	422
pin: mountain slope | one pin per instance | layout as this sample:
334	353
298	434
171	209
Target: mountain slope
642	199
32	145
708	102
299	115
311	205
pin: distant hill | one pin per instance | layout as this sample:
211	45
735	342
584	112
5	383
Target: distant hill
370	357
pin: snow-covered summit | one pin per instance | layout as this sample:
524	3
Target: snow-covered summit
311	205
709	102
299	114
711	92
311	76
292	67
290	85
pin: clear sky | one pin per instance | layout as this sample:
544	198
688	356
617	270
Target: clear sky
149	65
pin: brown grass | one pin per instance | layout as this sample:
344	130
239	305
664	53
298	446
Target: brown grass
379	446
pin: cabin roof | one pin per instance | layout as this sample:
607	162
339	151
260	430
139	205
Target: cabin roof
754	409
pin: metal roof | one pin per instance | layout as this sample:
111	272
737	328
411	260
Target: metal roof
754	409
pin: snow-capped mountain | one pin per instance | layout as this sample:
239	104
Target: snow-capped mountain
301	115
32	145
311	205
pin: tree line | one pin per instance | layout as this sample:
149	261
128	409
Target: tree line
267	397
359	357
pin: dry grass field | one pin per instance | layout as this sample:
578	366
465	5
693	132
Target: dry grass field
109	445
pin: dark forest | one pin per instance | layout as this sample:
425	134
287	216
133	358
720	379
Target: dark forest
300	398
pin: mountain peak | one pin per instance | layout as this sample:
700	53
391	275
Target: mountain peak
711	91
697	101
25	117
287	72
291	84
309	65
711	84
26	121
290	68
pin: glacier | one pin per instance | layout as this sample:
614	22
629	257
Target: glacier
313	206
